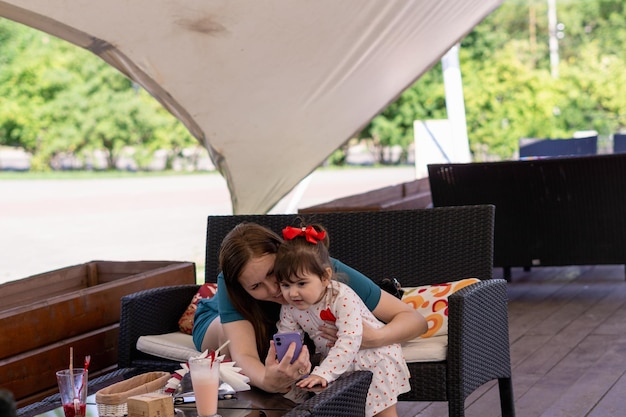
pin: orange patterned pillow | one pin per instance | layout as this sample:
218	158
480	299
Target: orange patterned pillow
432	302
185	323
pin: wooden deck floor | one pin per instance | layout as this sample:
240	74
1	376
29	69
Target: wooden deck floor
568	346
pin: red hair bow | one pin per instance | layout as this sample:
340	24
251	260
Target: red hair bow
309	232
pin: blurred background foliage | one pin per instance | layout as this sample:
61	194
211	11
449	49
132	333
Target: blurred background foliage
56	98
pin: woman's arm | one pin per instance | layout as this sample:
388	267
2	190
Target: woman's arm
273	376
403	323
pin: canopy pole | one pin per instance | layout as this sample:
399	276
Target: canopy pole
298	192
455	106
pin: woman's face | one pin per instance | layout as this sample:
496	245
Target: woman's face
258	279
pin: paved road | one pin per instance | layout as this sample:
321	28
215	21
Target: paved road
49	224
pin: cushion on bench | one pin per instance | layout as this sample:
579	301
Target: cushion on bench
178	346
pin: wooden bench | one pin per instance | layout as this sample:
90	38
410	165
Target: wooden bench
549	212
78	306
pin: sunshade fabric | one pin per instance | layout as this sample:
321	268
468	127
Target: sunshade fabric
271	88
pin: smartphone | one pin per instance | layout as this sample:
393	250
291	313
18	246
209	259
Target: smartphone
282	341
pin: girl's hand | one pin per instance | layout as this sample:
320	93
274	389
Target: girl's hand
279	376
311	381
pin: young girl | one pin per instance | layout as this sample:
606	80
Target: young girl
303	269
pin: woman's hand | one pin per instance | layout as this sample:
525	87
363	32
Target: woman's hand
271	376
328	331
279	376
369	339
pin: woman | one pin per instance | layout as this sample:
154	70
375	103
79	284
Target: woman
249	301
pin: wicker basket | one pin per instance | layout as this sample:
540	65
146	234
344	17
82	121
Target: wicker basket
111	401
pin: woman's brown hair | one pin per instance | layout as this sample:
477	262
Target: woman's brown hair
247	241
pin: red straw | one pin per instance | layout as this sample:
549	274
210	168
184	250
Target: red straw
82	382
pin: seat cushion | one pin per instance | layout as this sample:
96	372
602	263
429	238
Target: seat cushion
431	349
176	346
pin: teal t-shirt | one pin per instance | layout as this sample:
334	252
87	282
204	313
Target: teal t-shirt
210	308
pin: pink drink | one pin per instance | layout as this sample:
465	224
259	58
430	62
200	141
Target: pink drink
205	390
70	410
205	378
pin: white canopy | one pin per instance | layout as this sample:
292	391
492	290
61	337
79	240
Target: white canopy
271	88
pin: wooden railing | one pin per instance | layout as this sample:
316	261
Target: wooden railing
409	195
79	306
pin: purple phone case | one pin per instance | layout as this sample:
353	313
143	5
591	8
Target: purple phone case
282	342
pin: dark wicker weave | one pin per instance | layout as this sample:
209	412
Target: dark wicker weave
550	212
344	397
417	247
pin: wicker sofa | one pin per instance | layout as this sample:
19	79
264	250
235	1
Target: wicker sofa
550	212
418	247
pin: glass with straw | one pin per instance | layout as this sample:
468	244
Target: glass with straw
73	388
205	378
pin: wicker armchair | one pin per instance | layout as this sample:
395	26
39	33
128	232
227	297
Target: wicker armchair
418	247
148	312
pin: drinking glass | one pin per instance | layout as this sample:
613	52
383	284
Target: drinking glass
205	378
73	390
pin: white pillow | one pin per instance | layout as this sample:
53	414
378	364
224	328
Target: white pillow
176	346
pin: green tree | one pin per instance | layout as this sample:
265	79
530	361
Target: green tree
57	98
509	92
394	126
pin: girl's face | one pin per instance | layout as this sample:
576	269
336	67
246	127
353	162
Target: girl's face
307	289
258	279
